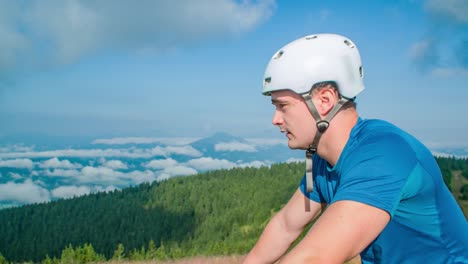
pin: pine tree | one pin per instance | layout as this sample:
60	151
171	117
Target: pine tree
68	256
119	253
151	252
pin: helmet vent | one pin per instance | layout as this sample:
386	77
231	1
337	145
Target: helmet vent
360	71
267	80
278	55
311	37
349	43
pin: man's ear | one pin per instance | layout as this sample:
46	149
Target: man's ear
324	99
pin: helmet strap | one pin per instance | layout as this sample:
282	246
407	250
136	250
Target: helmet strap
322	125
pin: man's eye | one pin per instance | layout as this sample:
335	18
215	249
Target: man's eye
281	106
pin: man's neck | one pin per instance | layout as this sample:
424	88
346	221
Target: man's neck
335	138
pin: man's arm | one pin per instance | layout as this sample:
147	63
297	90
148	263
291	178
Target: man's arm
283	229
343	231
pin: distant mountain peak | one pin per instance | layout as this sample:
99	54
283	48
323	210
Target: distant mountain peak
208	144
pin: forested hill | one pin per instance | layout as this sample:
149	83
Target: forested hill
214	213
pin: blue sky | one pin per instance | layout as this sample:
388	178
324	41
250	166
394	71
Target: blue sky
185	68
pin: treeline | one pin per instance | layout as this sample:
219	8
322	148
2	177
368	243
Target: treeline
215	213
86	254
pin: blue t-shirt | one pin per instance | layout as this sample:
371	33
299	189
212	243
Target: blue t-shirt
387	168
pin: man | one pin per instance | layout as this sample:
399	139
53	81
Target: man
378	190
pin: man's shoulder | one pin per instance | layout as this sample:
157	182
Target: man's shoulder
374	138
376	130
376	125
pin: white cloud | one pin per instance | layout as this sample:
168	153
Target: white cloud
107	153
70	191
254	164
181	150
102	175
56	163
115	164
13	42
61	173
210	164
26	192
451	9
76	28
15	148
138	177
176	171
161	164
234	146
17	163
99	175
106	176
76	191
291	160
141	140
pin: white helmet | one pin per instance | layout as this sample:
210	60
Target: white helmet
314	59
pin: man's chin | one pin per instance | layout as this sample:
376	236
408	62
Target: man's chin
291	145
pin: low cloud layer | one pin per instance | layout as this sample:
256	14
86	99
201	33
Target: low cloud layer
30	176
115	165
93	153
56	163
25	192
70	191
210	164
234	146
17	163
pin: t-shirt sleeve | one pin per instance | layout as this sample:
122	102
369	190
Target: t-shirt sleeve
378	172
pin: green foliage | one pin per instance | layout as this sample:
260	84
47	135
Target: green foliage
119	253
138	255
80	255
464	192
214	213
465	172
68	255
3	259
48	260
86	254
151	252
450	164
161	253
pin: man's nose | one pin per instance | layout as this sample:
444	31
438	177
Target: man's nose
277	118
